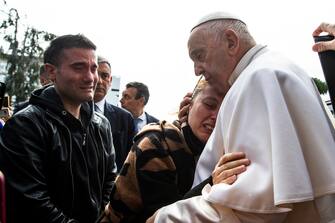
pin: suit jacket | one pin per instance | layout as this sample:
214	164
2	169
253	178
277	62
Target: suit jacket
151	119
123	130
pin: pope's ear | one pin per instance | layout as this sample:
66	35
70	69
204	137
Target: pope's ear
233	41
51	71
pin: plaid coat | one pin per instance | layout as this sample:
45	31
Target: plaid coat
158	171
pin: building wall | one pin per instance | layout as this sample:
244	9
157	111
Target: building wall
113	94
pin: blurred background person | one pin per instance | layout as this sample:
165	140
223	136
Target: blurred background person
5	105
134	98
44	80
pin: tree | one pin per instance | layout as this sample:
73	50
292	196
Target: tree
322	86
23	57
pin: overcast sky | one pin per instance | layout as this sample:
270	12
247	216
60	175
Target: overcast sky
145	40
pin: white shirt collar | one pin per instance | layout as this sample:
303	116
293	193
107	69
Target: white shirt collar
140	121
143	117
245	61
101	105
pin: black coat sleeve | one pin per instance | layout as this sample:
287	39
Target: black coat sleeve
111	166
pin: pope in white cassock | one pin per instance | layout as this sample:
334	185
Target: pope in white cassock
274	114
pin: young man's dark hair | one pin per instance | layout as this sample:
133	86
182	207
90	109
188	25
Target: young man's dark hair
54	51
142	90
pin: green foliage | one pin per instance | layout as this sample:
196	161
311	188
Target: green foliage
24	55
322	86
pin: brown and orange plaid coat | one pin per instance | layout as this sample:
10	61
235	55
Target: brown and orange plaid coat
158	171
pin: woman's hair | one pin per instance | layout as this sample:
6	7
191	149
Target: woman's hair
200	86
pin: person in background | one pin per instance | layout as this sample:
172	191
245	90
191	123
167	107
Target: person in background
160	166
121	121
272	113
57	155
326	45
44	80
134	98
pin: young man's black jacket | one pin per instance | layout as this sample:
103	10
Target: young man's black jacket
57	168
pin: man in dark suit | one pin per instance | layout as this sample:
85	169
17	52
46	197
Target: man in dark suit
134	98
121	121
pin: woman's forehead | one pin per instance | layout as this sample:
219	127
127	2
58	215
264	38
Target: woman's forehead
209	92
